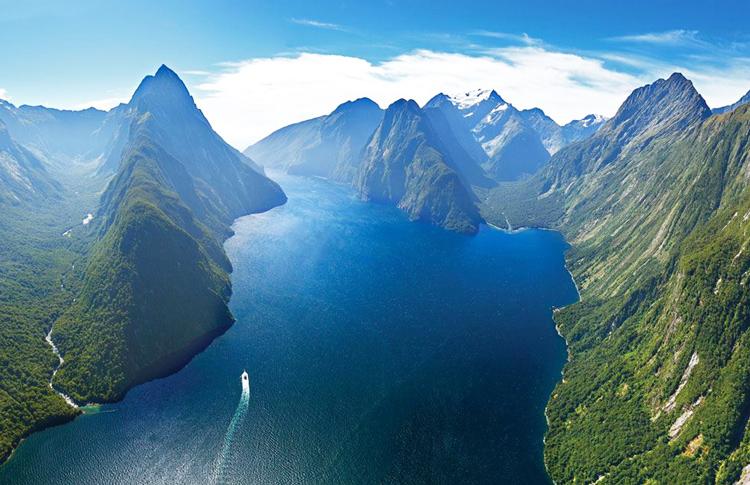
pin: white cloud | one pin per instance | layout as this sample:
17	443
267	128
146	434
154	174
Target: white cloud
669	37
247	100
250	99
318	24
4	94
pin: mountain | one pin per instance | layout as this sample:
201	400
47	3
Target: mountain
60	136
23	177
461	130
456	146
553	136
155	289
156	283
404	164
550	133
655	205
665	108
512	149
577	130
743	100
327	146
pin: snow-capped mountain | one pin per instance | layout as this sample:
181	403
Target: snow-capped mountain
512	148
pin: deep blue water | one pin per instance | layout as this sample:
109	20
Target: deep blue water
379	351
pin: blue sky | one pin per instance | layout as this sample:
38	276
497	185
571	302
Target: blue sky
569	58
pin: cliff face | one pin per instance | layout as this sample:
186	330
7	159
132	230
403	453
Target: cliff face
403	165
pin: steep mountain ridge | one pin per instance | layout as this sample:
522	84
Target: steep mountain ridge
655	388
328	146
404	165
155	284
155	289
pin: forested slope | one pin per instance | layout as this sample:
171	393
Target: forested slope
656	207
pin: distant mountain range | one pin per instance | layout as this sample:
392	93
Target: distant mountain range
327	146
724	109
479	136
23	177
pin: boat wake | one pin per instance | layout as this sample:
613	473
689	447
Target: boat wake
220	473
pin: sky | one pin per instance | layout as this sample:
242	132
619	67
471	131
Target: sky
255	66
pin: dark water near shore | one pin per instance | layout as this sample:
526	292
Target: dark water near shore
379	351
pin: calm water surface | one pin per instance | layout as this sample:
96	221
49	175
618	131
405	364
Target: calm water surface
379	351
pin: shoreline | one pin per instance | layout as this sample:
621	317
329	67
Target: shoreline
568	357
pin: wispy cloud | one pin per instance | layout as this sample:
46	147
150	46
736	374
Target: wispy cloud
318	24
4	94
669	37
523	38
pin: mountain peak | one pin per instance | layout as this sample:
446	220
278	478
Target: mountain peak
677	77
165	86
359	103
472	98
165	71
403	104
666	103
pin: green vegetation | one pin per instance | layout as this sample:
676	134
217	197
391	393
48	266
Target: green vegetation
37	280
657	387
155	289
135	293
402	165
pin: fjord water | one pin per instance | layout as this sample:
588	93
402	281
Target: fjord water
379	351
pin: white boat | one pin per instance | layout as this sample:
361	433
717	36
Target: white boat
245	379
